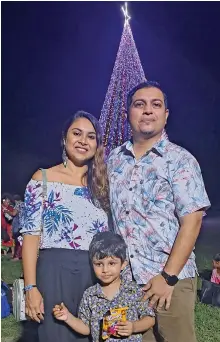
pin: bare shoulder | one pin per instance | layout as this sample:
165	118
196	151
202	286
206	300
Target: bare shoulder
37	175
50	172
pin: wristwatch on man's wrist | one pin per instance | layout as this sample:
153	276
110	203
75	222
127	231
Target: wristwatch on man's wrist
171	280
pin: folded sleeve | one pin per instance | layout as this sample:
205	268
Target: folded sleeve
84	312
188	187
32	211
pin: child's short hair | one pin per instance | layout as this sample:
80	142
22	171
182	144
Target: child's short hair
216	257
107	244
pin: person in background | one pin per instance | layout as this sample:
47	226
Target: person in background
7	215
215	278
75	208
158	198
16	226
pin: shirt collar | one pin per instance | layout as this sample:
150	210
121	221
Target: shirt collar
158	148
125	286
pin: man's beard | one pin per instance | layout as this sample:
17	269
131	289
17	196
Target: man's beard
148	133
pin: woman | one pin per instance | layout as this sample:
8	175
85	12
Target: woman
75	209
7	214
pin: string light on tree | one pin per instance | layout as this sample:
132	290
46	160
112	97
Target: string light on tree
125	11
127	73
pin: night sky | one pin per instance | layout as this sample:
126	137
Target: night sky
57	57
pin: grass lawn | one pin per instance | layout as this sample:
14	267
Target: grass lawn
10	329
207	318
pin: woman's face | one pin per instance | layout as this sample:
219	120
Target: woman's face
80	141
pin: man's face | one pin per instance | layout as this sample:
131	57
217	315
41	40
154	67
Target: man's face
147	113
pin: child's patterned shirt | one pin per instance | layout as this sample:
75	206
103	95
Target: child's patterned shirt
94	305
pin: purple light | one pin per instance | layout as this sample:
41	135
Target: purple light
127	73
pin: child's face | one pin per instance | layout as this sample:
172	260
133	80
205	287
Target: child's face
108	270
216	264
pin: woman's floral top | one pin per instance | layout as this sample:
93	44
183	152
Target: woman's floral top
68	216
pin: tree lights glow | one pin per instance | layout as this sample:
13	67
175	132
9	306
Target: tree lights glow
127	73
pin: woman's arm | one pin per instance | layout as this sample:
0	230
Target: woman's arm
33	298
29	258
31	235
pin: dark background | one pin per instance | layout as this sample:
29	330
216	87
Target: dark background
57	57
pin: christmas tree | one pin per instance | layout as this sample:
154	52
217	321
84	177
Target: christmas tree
127	73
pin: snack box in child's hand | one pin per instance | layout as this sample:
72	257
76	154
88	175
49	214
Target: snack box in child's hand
110	321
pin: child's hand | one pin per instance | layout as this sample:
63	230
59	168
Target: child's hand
61	312
125	328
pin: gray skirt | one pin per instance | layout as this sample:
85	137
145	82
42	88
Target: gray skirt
62	276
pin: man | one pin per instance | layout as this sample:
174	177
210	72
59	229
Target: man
158	198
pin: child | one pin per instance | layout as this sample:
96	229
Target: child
111	299
216	269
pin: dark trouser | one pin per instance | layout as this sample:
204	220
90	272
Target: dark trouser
177	323
62	276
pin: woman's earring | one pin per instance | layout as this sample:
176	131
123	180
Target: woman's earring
64	156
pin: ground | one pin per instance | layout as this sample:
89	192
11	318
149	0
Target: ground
207	318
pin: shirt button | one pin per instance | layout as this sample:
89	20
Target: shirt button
136	166
141	182
130	189
131	256
127	212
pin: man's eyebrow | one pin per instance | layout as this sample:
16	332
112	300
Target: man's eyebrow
156	99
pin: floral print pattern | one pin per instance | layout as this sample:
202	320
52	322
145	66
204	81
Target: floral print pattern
69	218
148	197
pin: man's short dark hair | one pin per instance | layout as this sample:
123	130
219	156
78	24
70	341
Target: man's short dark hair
216	257
147	84
107	244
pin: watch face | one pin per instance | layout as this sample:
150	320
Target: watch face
172	280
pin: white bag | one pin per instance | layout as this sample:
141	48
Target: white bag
18	299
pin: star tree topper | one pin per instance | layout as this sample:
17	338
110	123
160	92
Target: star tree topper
126	15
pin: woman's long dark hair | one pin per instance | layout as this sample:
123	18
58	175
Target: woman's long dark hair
97	179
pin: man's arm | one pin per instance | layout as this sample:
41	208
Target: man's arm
157	288
190	201
189	230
